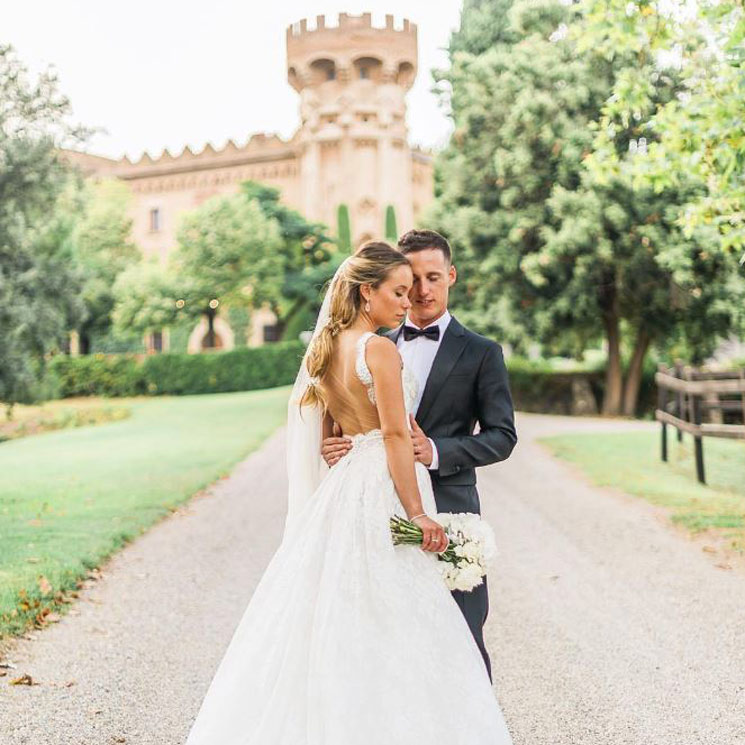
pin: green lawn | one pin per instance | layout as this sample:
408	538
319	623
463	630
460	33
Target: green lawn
68	499
630	461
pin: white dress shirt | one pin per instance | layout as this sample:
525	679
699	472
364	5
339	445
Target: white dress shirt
418	355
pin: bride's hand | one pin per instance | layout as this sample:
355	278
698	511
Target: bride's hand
434	537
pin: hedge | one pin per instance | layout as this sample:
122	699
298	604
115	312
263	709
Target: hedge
535	386
538	388
98	375
241	369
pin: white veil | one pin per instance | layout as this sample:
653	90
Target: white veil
305	466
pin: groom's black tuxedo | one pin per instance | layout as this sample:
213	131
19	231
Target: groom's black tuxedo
467	384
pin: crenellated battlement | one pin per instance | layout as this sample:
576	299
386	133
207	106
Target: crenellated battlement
354	49
351	146
347	23
257	144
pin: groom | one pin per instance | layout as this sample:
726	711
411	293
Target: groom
462	380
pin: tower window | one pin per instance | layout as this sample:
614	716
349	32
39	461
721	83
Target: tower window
155	219
364	73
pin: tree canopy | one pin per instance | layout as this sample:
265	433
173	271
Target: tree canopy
551	250
39	285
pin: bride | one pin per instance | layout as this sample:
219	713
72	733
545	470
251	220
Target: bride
348	639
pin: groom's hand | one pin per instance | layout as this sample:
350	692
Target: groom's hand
422	445
333	449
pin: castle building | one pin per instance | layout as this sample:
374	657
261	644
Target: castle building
350	149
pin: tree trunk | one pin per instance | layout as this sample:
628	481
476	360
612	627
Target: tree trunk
608	303
634	376
613	373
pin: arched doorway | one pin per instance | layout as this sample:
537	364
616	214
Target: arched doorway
209	344
224	338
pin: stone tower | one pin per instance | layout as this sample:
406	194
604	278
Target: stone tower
352	142
350	149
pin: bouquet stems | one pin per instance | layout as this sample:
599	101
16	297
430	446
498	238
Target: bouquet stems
406	532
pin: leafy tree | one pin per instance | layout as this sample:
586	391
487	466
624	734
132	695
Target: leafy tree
228	253
148	297
240	252
103	248
522	104
697	133
39	287
309	259
548	250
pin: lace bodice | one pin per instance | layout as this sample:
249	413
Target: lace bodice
408	380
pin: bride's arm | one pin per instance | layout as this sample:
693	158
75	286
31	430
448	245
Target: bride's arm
384	362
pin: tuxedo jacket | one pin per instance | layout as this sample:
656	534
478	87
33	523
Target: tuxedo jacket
468	383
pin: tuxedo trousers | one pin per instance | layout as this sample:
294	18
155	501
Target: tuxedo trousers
474	604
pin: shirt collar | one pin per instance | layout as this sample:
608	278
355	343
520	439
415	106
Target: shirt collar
442	321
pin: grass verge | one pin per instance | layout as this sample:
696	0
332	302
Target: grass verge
630	461
69	499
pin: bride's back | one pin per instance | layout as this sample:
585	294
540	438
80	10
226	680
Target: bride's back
346	394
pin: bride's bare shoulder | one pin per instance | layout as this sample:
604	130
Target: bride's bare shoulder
382	354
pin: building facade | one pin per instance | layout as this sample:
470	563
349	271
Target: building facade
351	148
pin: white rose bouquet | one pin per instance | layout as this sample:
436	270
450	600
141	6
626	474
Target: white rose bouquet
471	546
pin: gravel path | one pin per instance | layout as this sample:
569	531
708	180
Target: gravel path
606	625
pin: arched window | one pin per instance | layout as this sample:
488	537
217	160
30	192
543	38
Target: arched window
368	68
322	70
405	74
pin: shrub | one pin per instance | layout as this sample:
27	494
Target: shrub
98	375
241	369
538	387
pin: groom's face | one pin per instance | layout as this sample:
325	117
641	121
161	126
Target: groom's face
434	275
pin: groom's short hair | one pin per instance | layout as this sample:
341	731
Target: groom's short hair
420	240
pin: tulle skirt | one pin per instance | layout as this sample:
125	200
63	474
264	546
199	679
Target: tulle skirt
348	639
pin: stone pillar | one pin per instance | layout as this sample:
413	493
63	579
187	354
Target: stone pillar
74	344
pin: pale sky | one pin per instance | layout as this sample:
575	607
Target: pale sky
169	73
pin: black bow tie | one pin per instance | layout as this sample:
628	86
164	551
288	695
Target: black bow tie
432	332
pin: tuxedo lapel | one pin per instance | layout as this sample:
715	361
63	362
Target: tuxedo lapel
393	334
453	343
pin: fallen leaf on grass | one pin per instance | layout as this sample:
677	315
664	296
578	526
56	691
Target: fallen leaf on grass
44	586
24	680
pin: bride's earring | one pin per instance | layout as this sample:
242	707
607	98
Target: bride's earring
367	307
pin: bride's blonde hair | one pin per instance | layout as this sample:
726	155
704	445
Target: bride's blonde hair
371	264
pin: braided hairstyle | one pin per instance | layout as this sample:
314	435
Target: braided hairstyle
371	264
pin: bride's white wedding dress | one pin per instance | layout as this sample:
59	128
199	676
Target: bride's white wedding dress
348	639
